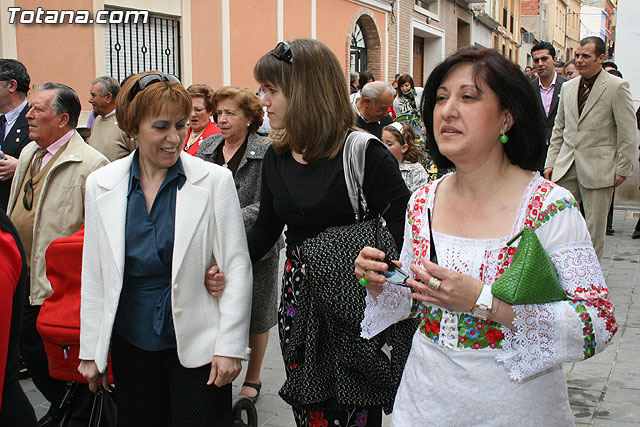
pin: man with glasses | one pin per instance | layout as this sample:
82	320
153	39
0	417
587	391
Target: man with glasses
106	136
14	131
47	202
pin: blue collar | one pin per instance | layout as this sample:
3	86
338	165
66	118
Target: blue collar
175	172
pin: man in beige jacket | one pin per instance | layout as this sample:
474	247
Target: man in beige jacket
47	202
592	146
106	135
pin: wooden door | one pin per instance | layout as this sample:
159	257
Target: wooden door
418	60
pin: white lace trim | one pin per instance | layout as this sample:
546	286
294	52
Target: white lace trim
391	306
578	267
531	348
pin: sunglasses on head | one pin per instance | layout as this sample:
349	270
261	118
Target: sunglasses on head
148	79
282	51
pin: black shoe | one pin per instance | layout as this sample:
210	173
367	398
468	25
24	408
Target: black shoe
636	234
50	419
610	231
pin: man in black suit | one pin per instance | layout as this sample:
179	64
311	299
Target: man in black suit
547	86
14	130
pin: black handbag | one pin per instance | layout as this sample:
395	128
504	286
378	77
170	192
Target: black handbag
104	412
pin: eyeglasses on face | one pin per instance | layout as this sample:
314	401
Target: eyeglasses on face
282	51
148	79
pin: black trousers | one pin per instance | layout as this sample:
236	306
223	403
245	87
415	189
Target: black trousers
35	357
16	410
153	389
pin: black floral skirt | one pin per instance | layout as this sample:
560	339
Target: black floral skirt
293	282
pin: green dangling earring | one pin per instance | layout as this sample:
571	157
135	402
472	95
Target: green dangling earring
504	138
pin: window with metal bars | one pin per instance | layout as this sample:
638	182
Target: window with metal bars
136	47
358	50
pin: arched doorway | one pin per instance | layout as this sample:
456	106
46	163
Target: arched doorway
364	47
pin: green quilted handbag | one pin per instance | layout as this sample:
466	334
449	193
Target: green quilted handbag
531	278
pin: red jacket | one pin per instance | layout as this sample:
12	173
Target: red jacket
210	129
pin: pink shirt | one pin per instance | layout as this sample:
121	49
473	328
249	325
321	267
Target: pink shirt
547	93
54	148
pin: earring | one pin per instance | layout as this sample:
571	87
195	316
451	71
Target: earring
504	138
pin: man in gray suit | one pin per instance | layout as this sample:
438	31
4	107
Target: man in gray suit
593	141
547	86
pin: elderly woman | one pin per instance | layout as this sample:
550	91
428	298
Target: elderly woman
154	221
200	126
304	189
473	350
401	141
240	149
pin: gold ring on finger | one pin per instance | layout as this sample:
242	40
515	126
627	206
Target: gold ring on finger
434	283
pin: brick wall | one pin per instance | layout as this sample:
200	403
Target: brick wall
529	7
447	21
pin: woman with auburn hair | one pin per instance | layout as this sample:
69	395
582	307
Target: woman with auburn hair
476	358
401	141
200	125
154	219
240	149
304	188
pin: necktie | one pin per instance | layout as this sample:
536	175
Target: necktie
3	127
584	97
37	161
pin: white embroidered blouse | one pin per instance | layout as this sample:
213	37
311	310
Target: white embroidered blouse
546	334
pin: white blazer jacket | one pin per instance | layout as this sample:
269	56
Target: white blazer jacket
208	230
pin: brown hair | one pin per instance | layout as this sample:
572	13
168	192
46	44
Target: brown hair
156	98
247	100
203	91
408	136
315	127
402	80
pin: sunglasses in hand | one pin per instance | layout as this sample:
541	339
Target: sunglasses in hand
395	274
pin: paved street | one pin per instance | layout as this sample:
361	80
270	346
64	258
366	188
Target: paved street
604	390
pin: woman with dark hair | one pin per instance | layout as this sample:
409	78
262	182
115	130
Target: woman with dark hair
304	188
364	78
473	350
240	149
406	104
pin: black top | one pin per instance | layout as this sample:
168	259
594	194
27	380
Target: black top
308	198
374	128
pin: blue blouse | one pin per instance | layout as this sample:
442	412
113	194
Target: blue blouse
144	316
